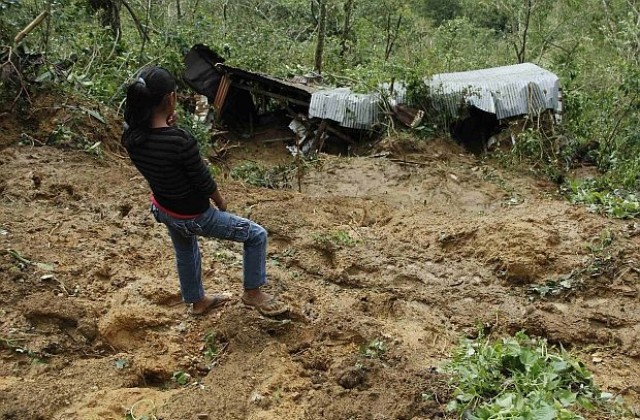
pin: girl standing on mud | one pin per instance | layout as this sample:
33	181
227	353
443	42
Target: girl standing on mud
182	185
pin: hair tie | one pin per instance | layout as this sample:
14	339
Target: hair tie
142	82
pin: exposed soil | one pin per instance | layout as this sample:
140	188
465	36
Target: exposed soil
415	255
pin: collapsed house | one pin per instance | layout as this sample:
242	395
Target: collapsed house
313	115
479	101
243	101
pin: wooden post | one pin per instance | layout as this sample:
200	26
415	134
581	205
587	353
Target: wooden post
319	140
298	159
221	96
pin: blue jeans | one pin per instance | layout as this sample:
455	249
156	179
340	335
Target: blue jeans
214	224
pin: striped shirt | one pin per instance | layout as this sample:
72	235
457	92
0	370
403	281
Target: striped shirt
170	161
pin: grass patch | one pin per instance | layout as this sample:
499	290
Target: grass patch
521	378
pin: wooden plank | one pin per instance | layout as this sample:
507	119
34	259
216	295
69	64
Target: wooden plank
270	94
281	139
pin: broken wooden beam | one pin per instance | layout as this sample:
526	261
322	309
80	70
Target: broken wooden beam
411	117
270	94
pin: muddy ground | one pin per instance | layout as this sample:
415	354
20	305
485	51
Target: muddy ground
413	249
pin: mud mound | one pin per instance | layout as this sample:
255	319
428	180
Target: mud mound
388	262
520	251
60	316
69	123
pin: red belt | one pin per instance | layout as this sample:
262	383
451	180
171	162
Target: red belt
172	214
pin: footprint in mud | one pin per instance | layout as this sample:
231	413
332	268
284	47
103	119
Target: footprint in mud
162	296
128	327
43	308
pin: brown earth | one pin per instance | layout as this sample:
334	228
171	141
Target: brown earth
415	255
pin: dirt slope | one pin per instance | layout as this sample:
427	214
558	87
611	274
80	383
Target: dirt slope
374	250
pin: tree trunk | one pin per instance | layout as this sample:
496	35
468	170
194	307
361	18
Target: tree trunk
523	47
346	28
392	35
144	41
321	27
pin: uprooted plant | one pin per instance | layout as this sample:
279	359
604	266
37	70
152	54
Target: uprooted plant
522	377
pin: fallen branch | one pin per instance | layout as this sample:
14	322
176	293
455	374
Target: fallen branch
30	27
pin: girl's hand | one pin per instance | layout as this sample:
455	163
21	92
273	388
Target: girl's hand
172	119
222	204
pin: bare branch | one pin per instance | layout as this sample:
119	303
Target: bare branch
137	22
9	62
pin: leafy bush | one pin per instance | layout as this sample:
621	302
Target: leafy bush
520	377
617	203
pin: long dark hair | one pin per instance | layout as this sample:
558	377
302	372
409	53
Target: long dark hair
146	92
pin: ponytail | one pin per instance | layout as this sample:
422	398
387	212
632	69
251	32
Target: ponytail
145	93
137	113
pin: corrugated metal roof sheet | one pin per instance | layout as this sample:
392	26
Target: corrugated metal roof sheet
505	91
353	110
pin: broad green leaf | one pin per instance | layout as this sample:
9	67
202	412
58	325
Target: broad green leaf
505	401
528	359
560	366
606	395
566	398
545	412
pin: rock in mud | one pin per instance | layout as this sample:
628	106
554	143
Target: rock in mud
351	378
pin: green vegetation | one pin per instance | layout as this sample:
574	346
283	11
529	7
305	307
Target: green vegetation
373	349
91	48
214	345
600	198
281	176
181	378
521	377
338	237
